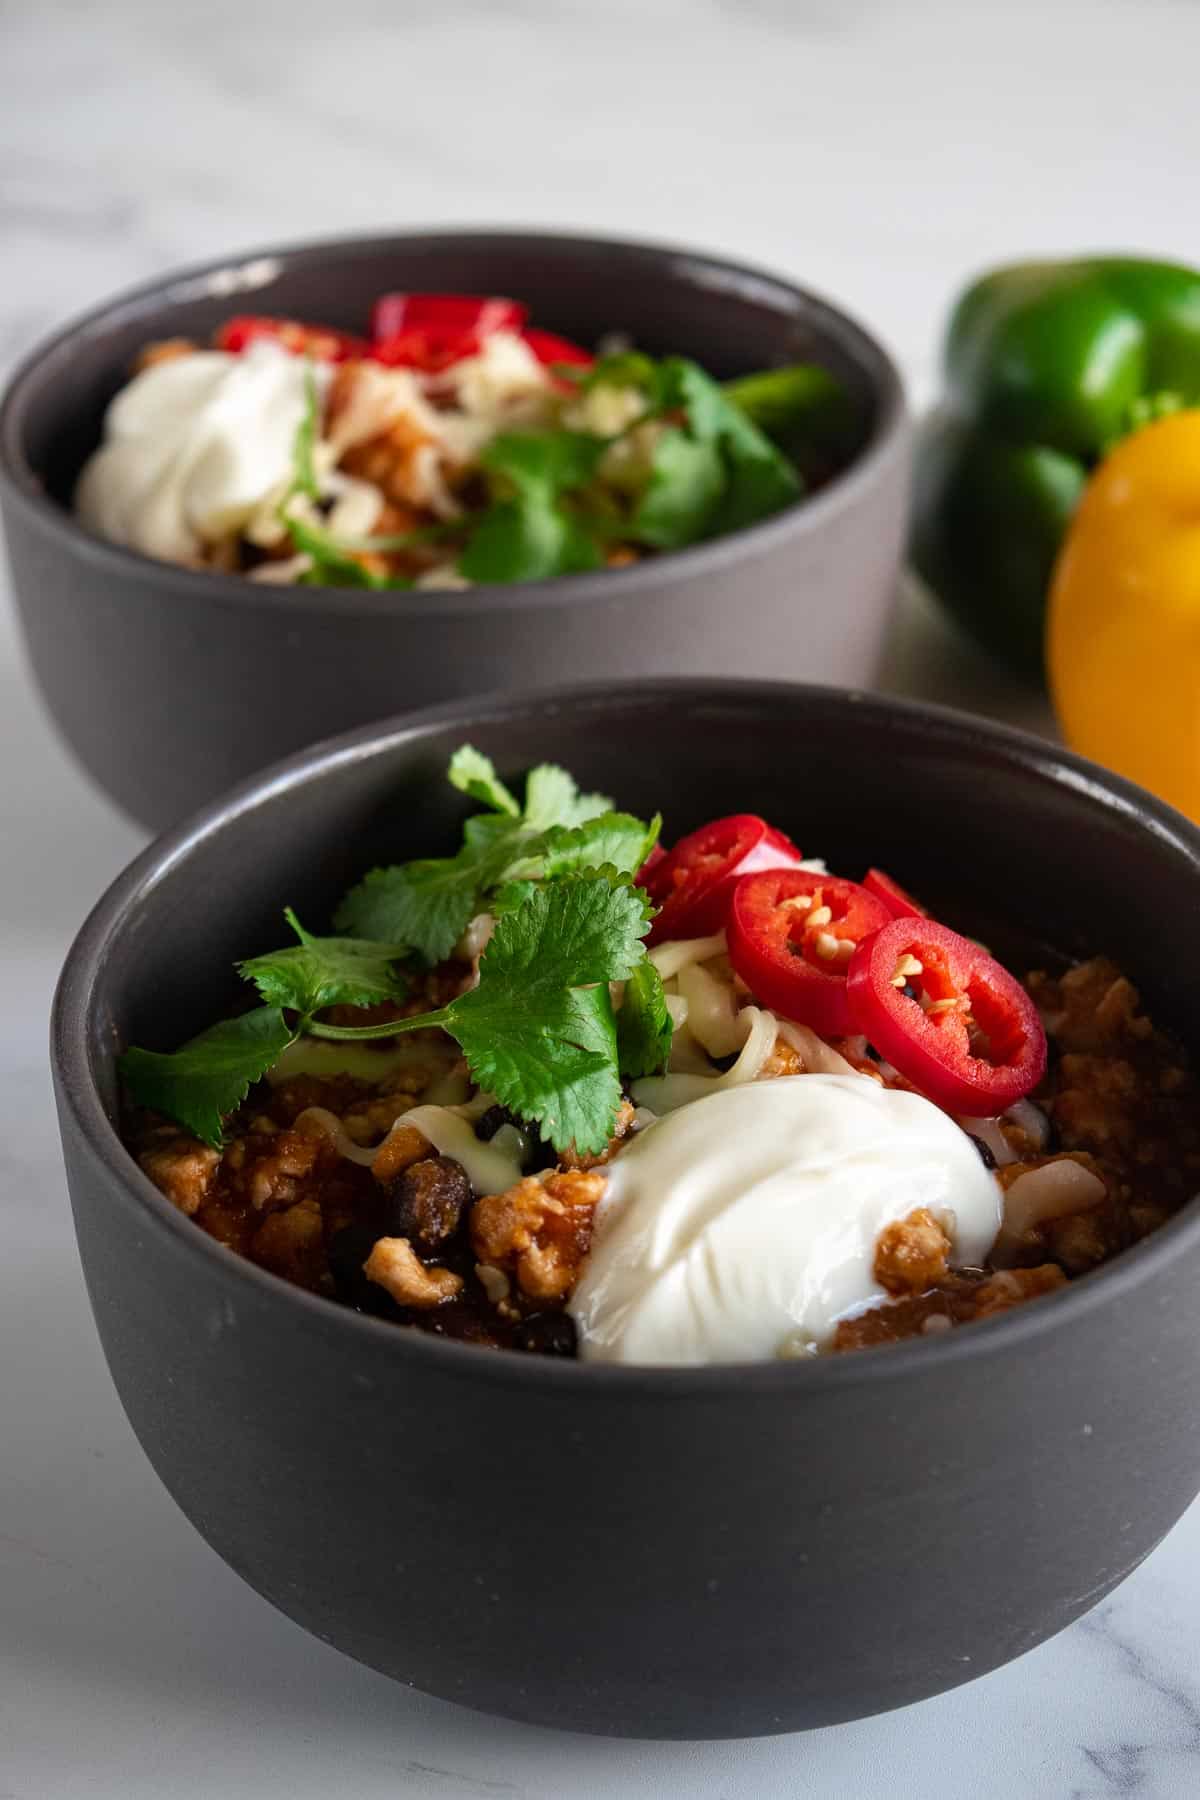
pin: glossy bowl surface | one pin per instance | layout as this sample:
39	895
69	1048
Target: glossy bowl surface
171	683
685	1552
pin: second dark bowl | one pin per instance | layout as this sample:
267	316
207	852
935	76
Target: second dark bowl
169	684
695	1552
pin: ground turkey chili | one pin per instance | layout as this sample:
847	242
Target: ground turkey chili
403	1169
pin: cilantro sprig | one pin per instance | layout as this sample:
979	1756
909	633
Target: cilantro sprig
429	903
538	1030
319	972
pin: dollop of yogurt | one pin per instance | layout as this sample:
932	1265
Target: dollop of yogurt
743	1226
193	447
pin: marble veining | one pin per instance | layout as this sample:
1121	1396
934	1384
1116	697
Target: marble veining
879	152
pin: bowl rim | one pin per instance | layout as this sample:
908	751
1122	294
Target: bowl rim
241	271
73	1029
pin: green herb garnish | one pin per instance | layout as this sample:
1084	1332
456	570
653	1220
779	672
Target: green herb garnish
212	1073
319	972
430	903
531	530
538	1030
644	1028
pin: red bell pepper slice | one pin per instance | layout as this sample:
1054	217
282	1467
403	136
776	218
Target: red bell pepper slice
694	883
318	341
550	348
445	316
792	933
971	1041
898	900
431	331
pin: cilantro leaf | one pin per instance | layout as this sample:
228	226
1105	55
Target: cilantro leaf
538	1030
644	1028
473	773
211	1074
614	839
528	533
552	460
712	470
687	479
528	539
512	895
320	972
759	478
428	903
552	797
622	368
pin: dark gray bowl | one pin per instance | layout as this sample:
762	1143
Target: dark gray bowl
169	684
648	1552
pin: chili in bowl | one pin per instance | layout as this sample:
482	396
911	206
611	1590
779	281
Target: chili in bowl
457	1117
973	1427
381	472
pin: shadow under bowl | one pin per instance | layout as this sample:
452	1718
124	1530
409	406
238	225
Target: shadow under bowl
169	684
705	1552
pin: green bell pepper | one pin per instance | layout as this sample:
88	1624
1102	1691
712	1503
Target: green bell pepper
1047	365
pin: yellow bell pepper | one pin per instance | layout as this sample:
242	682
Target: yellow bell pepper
1123	633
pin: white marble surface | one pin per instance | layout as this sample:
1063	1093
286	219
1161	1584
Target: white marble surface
878	151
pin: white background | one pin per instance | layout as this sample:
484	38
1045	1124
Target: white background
879	153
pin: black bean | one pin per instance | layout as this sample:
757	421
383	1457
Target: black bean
987	1156
489	1123
541	1154
547	1334
426	1202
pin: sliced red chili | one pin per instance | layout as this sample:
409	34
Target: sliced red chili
693	883
898	900
642	878
317	341
431	331
791	936
948	1016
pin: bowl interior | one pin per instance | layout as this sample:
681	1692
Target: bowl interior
728	318
1010	837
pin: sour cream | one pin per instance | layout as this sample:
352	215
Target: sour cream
193	447
743	1226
